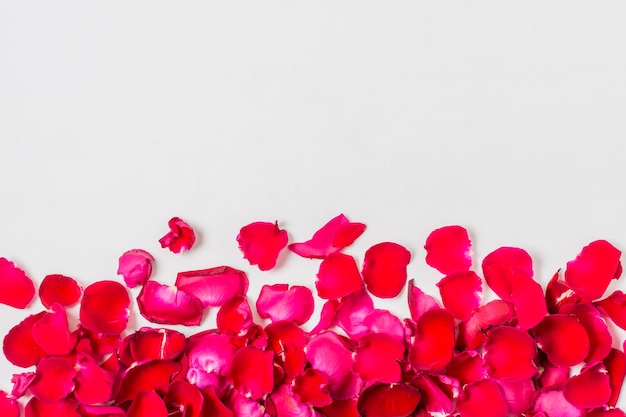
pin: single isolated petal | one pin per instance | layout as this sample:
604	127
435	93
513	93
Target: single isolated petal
252	372
553	403
482	399
180	238
104	308
59	289
377	358
147	403
51	332
593	269
563	339
338	276
213	286
499	266
384	269
312	388
615	307
234	316
155	375
16	288
384	400
473	332
279	302
434	341
615	364
148	343
261	242
135	266
510	354
589	389
61	408
8	405
54	379
461	293
419	303
600	340
19	345
169	305
335	235
448	249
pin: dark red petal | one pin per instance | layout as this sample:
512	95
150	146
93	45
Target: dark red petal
180	238
434	341
100	411
482	399
135	266
558	294
147	403
331	238
473	332
155	375
461	293
93	384
62	408
593	269
19	346
611	412
352	312
615	364
589	389
448	249
184	397
59	289
51	332
553	403
519	395
99	344
615	307
21	382
499	266
234	316
342	408
312	388
149	343
16	288
169	305
467	367
279	302
529	301
104	308
261	242
600	339
338	277
377	358
384	269
382	400
213	286
553	376
53	380
509	354
252	372
563	339
419	303
8	405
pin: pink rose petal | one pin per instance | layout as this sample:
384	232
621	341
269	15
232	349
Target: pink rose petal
482	399
213	286
589	389
252	372
461	293
100	411
448	249
279	302
382	321
377	358
54	379
21	382
563	339
384	269
553	403
180	238
352	313
437	393
593	269
510	354
261	242
383	400
282	402
16	288
135	266
104	308
434	341
59	289
169	305
327	317
338	277
331	238
210	352
147	403
519	395
8	405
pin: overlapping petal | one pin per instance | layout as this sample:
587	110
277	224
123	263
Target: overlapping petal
104	308
312	388
448	249
615	307
16	288
434	341
150	376
419	303
61	408
234	316
338	276
261	242
180	238
384	400
510	354
615	364
59	289
563	339
593	269
377	358
384	269
473	332
499	267
135	266
252	372
19	346
461	293
8	405
54	379
169	305
553	403
147	403
335	235
589	389
279	302
51	332
213	286
482	399
600	339
148	343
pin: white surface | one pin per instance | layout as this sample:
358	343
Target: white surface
505	117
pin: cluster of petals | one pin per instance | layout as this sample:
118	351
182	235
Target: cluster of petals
529	352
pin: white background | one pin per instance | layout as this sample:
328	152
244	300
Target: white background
505	117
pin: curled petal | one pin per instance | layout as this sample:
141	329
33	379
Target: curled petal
473	332
338	276
589	389
243	406
563	339
135	266
448	249
186	397
335	235
434	341
279	302
510	354
600	339
615	364
234	316
148	343
500	265
214	286
53	380
467	367
312	388
180	238
461	293
606	412
558	294
51	332
104	308
151	376
377	358
93	384
285	404
169	305
327	317
593	269
553	403
529	301
61	408
352	313
475	396
287	340
252	372
19	345
261	242
16	288
21	382
383	400
8	405
59	289
384	269
615	307
419	303
147	403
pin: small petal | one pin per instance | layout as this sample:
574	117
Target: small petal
252	372
384	269
342	408
615	307
234	316
419	303
383	400
593	269
285	404
51	332
558	294
53	380
287	340
461	293
184	397
155	375
529	301
352	312
434	341
563	339
467	367
475	397
93	384
148	343
510	354
21	382
213	286
135	266
499	266
589	389
104	308
327	317
261	242
377	358
169	305
335	235
8	405
448	249
279	302
312	388
338	276
147	403
180	238
600	339
19	345
59	289
615	364
473	332
16	288
553	403
61	408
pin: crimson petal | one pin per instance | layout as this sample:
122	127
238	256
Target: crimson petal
461	293
93	384
213	286
382	400
287	340
615	307
62	408
16	288
279	302
104	308
21	382
261	242
51	332
8	405
149	343
467	367
473	332
213	406
593	269
252	372
169	305
59	289
377	358
100	411
210	352
335	235
342	408
437	393
285	404
529	301
180	238
600	339
338	276
475	397
448	249
589	389
563	339
558	294
135	266
509	354
155	375
234	316
499	266
147	403
53	380
185	398
312	388
382	321
352	313
434	341
419	303
384	269
519	395
19	345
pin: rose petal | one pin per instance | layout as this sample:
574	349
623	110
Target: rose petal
529	301
312	388
419	303
147	403
615	307
338	276
434	341
552	376
287	340
53	380
210	352
342	408
93	384
473	332
600	339
475	397
558	294
21	382
589	389
448	249
62	408
51	332
382	321
100	411
285	404
243	406
612	412
461	293
352	312
563	339
213	406
384	269
383	400
151	376
135	266
16	288
331	238
327	317
8	405
499	266
279	302
180	238
252	372
437	393
214	286
169	305
261	242
19	346
184	397
519	395
467	367
615	364
377	358
234	316
593	269
104	308
59	289
148	343
553	403
509	354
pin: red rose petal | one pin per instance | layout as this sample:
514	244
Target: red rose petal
62	408
499	266
382	321
558	294
615	364
552	376
282	402
100	411
467	367
147	344
51	332
155	375
377	358
589	389
16	288
612	412
553	403
519	395
509	354
482	399
147	403
615	307
252	372
212	406
461	293
19	346
93	384
600	339
434	341
384	269
8	405
448	249
104	308
21	382
529	301
382	400
563	339
184	397
53	380
419	303
338	277
213	286
327	317
593	269
135	266
437	393
287	340
234	316
342	408
279	302
59	289
169	305
243	406
473	332
261	242
312	388
352	312
331	238
180	238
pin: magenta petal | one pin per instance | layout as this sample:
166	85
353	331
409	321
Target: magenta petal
147	403
51	332
563	339
615	307
419	303
553	403
169	305
148	343
185	397
21	382
600	339
93	384
261	242
529	301
180	238
61	408
285	404
558	294
499	268
53	380
8	405
279	302
382	400
312	388
16	289
461	293
609	412
434	341
473	332
437	393
377	358
327	317
234	316
135	266
210	352
287	340
384	269
155	375
252	372
510	354
519	395
104	308
213	286
589	389
475	397
593	269
352	312
338	276
331	238
59	289
448	249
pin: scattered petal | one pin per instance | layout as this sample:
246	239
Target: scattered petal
279	302
338	277
563	339
383	400
473	332
252	372
51	332
461	293
448	249
21	382
475	396
261	242
553	403
593	269
147	403
419	303
499	266
434	341
54	379
169	305
8	405
214	286
104	308
59	289
615	307
589	389
180	238
384	269
335	235
377	358
16	288
135	266
155	375
312	388
61	408
509	354
19	345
